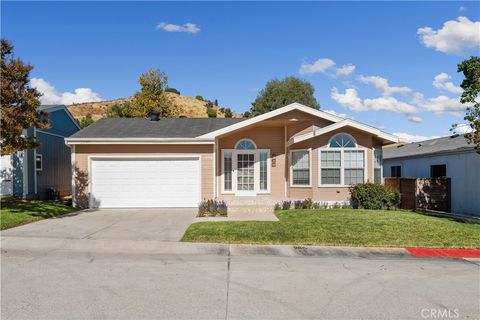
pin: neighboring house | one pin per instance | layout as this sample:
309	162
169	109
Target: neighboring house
293	152
34	172
443	157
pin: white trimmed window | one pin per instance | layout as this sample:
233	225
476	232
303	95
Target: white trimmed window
300	170
227	171
263	170
38	162
342	163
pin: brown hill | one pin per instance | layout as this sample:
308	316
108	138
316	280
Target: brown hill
187	106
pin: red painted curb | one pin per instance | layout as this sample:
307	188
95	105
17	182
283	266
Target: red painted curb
447	253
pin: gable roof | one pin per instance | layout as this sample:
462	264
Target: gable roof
274	113
142	128
346	123
199	130
449	144
56	107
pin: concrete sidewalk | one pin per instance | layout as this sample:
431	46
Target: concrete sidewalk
119	246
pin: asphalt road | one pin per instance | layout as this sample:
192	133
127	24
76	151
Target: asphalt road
93	284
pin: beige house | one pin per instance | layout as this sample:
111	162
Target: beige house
294	152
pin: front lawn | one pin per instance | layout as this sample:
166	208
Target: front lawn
16	212
342	227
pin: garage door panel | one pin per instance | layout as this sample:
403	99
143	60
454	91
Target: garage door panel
159	182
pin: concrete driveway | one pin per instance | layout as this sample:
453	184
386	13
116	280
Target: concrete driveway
121	224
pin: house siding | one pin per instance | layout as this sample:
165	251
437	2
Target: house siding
265	138
82	153
320	193
462	168
57	170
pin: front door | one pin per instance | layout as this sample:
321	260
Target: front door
246	173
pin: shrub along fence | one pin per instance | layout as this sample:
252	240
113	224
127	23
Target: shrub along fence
423	193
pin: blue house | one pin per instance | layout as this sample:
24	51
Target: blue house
35	172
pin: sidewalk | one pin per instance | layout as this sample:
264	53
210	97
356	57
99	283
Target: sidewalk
160	247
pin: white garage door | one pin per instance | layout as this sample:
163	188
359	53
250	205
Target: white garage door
145	182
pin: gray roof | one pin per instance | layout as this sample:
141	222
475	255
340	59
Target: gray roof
46	107
145	128
453	143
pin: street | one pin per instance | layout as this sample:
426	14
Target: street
67	283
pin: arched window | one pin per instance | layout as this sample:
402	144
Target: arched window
245	144
342	140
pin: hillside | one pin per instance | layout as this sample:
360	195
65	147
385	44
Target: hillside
187	106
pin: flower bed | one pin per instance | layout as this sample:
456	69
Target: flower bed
212	208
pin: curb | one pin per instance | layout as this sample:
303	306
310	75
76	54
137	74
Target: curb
115	246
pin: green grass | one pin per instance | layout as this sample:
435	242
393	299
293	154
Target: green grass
342	227
15	212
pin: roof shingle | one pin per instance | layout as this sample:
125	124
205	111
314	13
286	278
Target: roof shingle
433	146
145	128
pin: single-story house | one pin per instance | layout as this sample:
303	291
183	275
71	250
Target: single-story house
293	152
32	173
449	157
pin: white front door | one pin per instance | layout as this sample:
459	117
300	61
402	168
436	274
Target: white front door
246	173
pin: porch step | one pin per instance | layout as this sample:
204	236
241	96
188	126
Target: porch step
249	209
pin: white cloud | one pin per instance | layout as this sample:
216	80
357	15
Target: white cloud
346	69
53	96
349	99
406	137
352	101
442	104
415	119
326	66
441	82
321	65
455	37
170	27
389	104
338	114
382	85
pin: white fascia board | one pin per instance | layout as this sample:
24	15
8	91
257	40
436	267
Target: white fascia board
271	114
72	141
344	123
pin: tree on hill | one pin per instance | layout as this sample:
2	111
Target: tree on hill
211	111
172	90
19	104
199	98
279	93
119	111
228	113
471	88
86	121
151	97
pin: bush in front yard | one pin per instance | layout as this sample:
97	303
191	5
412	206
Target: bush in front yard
374	196
212	208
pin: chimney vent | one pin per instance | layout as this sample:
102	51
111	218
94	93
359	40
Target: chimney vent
154	116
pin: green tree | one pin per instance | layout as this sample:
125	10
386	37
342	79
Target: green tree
471	88
172	90
151	97
18	104
212	112
215	103
228	113
247	114
199	98
279	93
119	111
86	121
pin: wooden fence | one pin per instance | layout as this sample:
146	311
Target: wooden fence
422	193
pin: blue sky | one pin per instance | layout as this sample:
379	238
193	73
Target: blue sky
229	50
